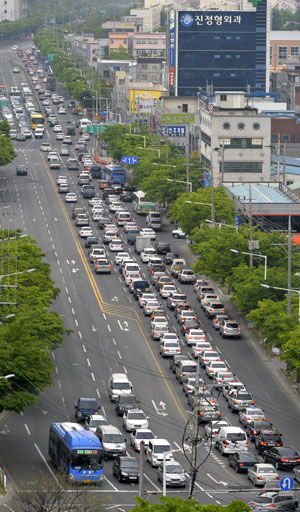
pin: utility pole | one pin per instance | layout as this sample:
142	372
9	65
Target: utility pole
187	150
278	157
167	144
222	168
284	163
141	479
195	433
289	283
212	192
250	229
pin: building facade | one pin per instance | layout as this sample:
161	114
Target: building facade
151	69
226	49
117	40
151	44
150	16
12	10
283	44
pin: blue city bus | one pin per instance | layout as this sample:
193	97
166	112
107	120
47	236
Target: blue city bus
114	174
76	452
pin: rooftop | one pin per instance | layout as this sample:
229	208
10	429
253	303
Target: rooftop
259	194
285	35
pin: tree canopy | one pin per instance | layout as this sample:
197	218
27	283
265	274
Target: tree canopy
180	505
7	152
29	330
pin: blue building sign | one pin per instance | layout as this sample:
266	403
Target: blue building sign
224	48
173	131
129	160
206	180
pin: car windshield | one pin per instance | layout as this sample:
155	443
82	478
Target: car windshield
263	499
232	325
174	468
128	400
121	385
97	421
189	369
243	396
136	416
271	436
113	438
162	448
286	452
188	272
87	404
236	436
91	461
130	464
254	412
247	457
171	337
144	435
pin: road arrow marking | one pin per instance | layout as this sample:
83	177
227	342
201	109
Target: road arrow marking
217	481
161	413
115	299
74	270
94	328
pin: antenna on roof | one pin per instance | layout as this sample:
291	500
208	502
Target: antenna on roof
248	93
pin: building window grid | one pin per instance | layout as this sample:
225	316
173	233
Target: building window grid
242	167
282	54
294	50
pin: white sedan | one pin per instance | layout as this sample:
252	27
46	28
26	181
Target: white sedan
119	257
85	232
57	128
134	418
116	245
59	136
148	233
194	335
147	253
260	473
138	435
71	197
178	233
144	297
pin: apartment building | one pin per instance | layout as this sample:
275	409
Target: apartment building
149	44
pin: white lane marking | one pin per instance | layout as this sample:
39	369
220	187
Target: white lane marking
46	463
56	369
208	334
73	311
106	479
108	327
76	322
88	362
93	376
114	341
80	335
70	300
27	429
67	292
120	357
104	316
125	370
59	383
152	483
84	349
98	393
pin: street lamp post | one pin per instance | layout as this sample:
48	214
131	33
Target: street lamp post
18	273
188	183
258	256
223	224
150	149
9	376
285	290
206	204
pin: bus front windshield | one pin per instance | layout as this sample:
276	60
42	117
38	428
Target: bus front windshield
87	459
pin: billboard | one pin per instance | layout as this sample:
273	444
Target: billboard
143	102
178	118
224	48
172	48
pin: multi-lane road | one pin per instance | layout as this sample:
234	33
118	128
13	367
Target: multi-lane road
110	334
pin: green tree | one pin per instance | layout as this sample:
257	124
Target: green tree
31	330
7	152
180	505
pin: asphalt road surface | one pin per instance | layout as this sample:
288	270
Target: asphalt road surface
111	335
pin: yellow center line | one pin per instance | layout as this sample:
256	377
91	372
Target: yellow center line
102	303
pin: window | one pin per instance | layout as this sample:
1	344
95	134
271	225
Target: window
144	66
228	37
112	41
294	50
242	167
274	138
237	56
216	56
124	41
233	75
141	41
217	37
185	107
206	138
282	54
143	77
271	55
242	143
285	138
216	74
227	56
223	97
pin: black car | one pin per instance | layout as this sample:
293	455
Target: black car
267	439
108	192
21	170
189	324
140	287
169	257
84	407
255	426
241	461
282	457
126	196
126	468
125	402
162	247
90	240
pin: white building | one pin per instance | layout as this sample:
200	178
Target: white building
150	16
12	9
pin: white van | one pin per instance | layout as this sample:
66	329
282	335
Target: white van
231	440
118	385
123	218
112	440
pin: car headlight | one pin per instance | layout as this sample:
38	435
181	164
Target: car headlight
71	476
123	473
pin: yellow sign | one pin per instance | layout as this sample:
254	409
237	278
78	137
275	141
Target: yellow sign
143	102
256	142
